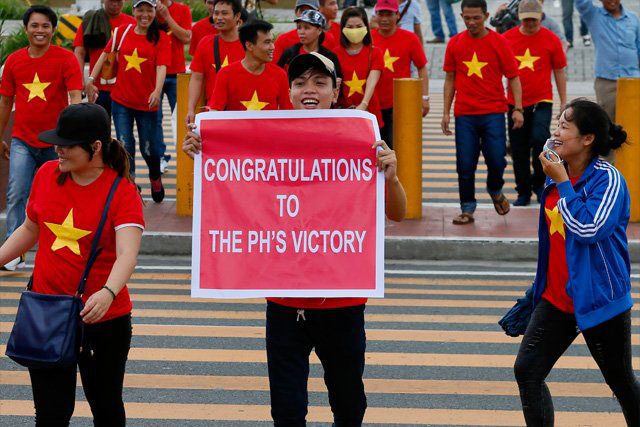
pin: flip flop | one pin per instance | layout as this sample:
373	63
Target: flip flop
501	204
463	219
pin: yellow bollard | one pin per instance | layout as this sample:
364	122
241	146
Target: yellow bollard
407	140
184	169
628	156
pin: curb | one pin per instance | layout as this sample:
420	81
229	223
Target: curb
402	248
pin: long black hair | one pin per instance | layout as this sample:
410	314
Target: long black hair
590	118
153	32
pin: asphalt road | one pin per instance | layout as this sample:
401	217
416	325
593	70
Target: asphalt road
435	355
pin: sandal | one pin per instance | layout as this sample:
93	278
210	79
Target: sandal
501	204
463	219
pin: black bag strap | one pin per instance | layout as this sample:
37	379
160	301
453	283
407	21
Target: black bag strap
405	10
95	250
216	52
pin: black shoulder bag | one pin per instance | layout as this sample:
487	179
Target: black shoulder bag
47	332
216	52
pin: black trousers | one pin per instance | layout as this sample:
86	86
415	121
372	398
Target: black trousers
386	132
105	348
338	337
548	335
526	145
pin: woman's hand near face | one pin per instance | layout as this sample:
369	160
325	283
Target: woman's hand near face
554	170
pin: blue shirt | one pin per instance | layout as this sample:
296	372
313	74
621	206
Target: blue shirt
617	40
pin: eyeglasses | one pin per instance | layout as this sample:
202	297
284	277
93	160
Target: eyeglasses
549	153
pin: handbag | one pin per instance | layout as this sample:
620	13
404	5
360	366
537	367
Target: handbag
47	332
515	322
110	66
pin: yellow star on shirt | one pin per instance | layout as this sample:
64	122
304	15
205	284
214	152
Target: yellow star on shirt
36	88
557	224
134	61
355	85
224	63
526	61
254	103
474	66
66	234
389	60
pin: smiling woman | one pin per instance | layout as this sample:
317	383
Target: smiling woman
63	213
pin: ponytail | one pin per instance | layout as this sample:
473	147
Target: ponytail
617	135
153	32
116	157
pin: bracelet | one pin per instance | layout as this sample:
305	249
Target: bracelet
519	110
426	97
110	291
90	78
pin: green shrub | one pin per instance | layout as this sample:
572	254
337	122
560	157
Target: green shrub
12	9
14	41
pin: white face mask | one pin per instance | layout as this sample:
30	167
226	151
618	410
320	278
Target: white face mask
355	35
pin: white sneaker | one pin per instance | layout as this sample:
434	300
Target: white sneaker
586	40
13	264
164	165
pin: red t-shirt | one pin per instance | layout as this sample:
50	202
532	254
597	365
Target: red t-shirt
40	86
288	39
479	65
137	62
399	51
334	30
203	61
537	55
94	54
182	15
239	90
355	70
68	216
199	31
557	270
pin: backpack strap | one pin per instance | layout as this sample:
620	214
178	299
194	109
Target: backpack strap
125	34
216	52
405	10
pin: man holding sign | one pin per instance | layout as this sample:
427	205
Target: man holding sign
334	327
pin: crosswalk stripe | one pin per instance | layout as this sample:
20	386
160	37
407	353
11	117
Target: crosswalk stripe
405	416
372	385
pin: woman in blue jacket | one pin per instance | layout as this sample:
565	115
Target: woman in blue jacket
583	279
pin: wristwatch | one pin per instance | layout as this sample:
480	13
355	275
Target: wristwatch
426	97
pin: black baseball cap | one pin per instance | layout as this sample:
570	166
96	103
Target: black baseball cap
151	3
301	63
79	124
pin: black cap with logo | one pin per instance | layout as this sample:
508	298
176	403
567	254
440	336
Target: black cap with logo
82	123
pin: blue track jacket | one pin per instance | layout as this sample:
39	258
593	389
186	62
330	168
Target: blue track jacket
596	214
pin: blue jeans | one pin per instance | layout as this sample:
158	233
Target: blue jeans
527	143
486	133
567	21
104	100
146	122
24	161
434	7
338	337
169	88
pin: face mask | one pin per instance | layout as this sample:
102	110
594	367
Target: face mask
355	35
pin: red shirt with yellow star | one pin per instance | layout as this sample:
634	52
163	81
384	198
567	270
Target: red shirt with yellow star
355	70
40	86
537	56
398	52
479	65
204	62
239	90
68	216
557	270
137	62
182	15
288	39
199	31
94	54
